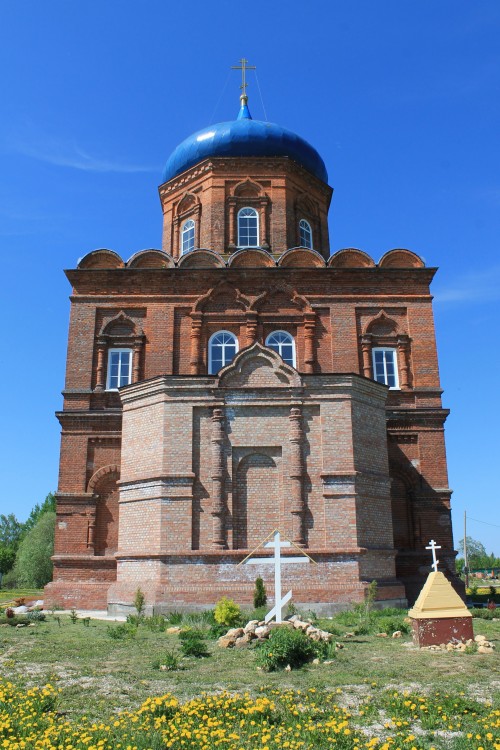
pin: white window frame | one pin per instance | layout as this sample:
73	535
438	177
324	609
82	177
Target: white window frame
188	239
211	343
118	350
394	353
278	345
255	213
306	227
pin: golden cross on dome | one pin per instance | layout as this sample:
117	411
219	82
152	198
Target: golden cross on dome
243	67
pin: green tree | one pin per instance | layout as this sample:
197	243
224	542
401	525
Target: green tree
474	548
259	594
48	506
10	530
10	535
476	554
33	566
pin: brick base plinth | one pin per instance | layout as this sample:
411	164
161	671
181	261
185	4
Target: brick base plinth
66	595
434	631
80	581
196	582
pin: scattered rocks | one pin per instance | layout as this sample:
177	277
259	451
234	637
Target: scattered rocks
262	631
255	629
397	634
235	633
173	630
485	649
483	646
250	626
226	641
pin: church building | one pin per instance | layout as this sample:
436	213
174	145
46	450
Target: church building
244	379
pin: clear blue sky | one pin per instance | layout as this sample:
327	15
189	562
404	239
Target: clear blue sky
402	99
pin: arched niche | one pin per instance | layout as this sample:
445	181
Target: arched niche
233	299
256	498
251	258
300	257
201	259
351	257
382	325
401	258
103	485
151	258
403	522
188	203
247	189
101	258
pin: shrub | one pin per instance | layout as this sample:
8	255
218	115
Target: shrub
227	612
205	617
139	601
121	632
259	594
287	647
36	615
168	661
193	643
155	623
485	614
175	618
215	631
391	624
14	620
329	626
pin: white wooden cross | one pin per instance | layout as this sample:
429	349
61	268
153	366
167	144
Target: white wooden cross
277	560
433	546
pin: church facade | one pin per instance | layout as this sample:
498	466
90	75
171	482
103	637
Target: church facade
240	380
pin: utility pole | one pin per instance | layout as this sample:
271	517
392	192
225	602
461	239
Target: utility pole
466	561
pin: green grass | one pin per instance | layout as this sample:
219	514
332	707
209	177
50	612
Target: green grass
95	671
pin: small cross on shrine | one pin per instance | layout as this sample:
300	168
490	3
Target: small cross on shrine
243	67
277	560
433	546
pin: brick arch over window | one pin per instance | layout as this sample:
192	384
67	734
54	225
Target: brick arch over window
383	334
120	333
208	315
188	208
307	210
103	484
296	315
248	194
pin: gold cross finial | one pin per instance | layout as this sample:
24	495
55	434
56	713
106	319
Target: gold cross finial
243	66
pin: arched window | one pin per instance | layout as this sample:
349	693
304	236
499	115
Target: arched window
248	228
305	234
222	348
187	236
385	366
283	343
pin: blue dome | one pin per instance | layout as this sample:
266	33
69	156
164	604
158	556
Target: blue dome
244	137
